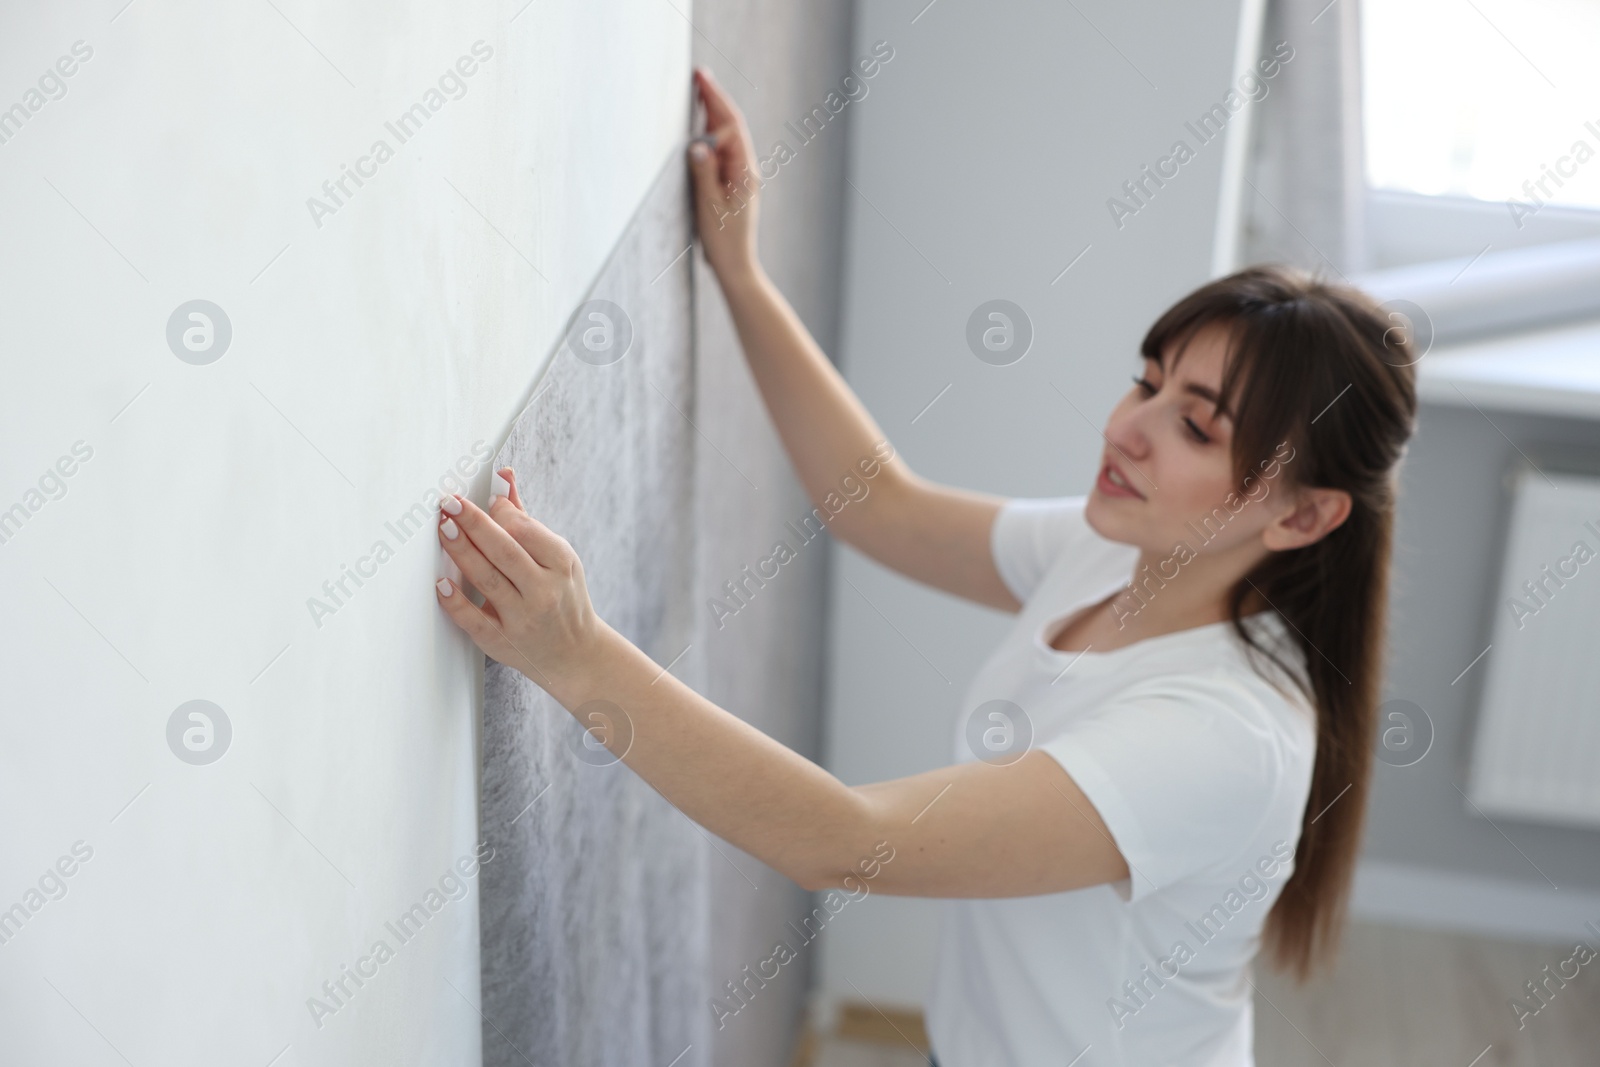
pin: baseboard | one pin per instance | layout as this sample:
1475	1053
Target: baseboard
860	1021
1434	899
857	1020
805	1045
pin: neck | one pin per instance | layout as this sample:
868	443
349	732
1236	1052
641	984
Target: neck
1172	591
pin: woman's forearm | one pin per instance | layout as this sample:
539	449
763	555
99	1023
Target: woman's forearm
718	770
833	443
972	830
825	429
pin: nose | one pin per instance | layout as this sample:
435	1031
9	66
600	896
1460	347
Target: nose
1126	428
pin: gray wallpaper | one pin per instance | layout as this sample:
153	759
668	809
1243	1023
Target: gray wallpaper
593	925
779	60
616	921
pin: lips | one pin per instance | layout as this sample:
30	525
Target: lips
1114	481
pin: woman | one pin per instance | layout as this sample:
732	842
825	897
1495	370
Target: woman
1172	746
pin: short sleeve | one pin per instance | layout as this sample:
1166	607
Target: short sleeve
1182	770
1029	534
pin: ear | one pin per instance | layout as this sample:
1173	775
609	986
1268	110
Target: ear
1313	515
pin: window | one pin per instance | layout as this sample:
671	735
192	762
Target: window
1481	121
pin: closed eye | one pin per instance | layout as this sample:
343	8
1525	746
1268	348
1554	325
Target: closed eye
1150	389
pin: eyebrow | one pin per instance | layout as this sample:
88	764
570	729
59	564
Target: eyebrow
1204	392
1207	393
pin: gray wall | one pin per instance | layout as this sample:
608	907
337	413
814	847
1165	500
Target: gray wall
779	60
1449	539
982	165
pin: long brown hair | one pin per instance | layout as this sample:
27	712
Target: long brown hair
1324	367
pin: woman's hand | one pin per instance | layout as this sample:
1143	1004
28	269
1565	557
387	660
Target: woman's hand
536	615
727	184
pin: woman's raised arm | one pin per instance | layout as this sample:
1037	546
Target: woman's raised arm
934	534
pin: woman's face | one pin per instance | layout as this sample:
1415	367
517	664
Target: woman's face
1166	474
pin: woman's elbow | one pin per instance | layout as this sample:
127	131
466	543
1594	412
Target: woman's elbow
854	875
811	881
817	873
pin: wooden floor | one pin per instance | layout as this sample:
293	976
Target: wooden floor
1409	997
1398	998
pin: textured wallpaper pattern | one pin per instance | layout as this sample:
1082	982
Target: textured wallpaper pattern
593	915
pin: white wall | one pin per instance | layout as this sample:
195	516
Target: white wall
982	163
368	355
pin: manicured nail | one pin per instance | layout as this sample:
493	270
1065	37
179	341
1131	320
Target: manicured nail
451	530
699	151
451	505
498	486
445	588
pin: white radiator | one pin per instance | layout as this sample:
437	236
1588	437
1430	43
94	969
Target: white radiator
1536	755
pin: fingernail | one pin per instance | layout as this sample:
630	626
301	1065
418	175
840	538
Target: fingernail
445	588
498	486
451	505
698	151
451	530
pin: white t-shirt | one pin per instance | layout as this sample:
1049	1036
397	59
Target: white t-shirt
1200	769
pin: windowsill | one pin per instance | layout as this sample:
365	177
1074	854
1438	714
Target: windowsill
1554	371
1406	229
